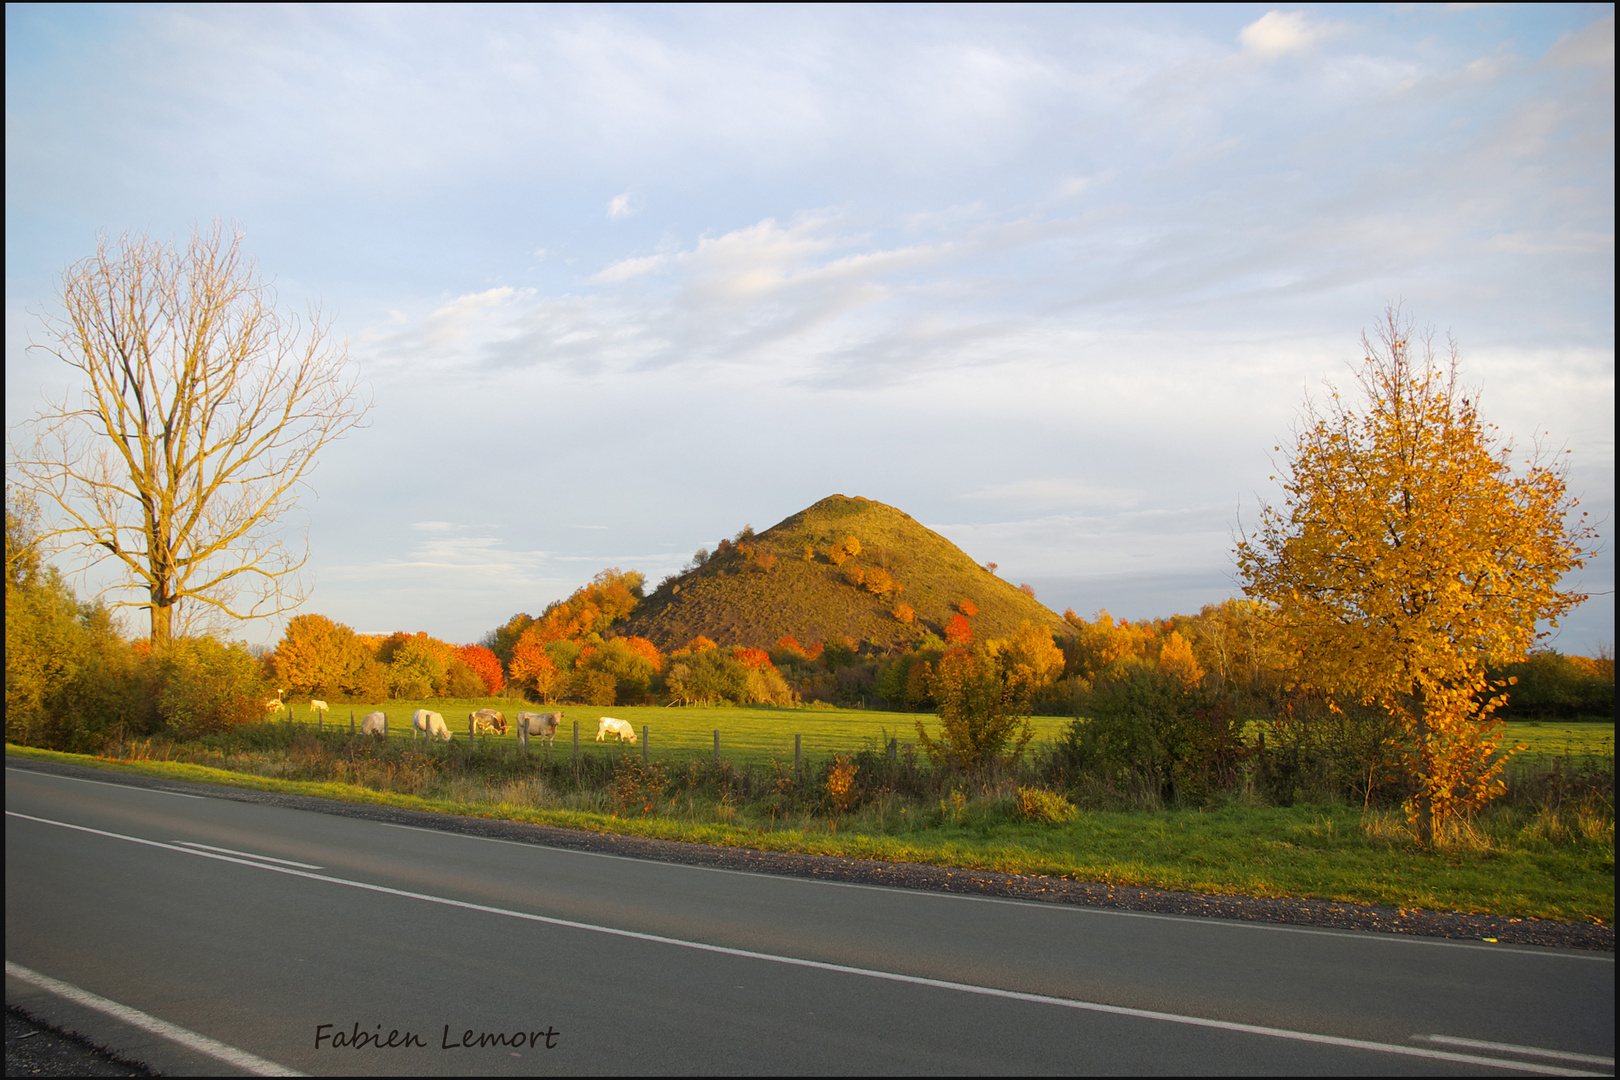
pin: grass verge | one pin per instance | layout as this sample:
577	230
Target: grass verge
1516	862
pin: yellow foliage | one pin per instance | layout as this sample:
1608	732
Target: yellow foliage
1408	553
1176	658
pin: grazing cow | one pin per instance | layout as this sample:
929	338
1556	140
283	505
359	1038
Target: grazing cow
274	705
374	724
430	724
487	720
541	724
317	706
621	728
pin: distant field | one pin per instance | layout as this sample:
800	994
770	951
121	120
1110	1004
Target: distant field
748	734
1556	738
754	734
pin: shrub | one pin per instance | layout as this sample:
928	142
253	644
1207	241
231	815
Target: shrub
486	664
1038	805
981	710
205	685
1149	723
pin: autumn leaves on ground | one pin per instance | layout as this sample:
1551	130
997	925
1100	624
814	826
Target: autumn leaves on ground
1339	732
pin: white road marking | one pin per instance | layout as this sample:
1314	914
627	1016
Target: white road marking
251	855
1078	909
202	1044
1510	1048
103	783
888	976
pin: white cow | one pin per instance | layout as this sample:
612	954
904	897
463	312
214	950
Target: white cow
374	724
274	705
541	724
621	728
487	720
430	724
317	706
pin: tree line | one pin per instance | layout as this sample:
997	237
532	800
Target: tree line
1392	597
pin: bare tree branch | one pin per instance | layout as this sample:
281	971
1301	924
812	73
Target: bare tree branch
203	411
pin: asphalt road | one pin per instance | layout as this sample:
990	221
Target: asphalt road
254	926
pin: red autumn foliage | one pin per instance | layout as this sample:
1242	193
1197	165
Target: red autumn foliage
1027	588
967	607
814	651
752	658
957	631
485	664
646	650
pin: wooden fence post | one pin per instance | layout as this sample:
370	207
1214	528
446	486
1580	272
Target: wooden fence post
576	742
351	723
717	747
644	745
472	738
894	751
798	759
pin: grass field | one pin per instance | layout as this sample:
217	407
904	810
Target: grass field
755	734
748	735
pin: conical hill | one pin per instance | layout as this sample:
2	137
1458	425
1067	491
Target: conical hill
805	578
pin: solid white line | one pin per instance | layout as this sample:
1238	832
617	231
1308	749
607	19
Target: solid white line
1510	1048
103	783
821	965
1077	909
251	855
258	1066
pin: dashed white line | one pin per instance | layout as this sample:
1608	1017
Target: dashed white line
1510	1048
887	976
251	855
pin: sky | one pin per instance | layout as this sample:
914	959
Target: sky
1052	280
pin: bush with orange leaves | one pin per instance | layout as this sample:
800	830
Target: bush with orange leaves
788	651
533	669
485	664
905	614
751	658
957	631
879	582
967	608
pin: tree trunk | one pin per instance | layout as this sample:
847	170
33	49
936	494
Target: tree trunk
162	619
1425	796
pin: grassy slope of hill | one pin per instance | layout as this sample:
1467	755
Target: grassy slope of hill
735	601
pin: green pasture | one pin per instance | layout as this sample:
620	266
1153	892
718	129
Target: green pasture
1563	738
755	734
748	734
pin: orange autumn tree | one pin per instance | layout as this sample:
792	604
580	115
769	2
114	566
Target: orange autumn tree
485	664
1407	554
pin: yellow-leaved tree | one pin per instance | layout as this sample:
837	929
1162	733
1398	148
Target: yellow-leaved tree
1413	547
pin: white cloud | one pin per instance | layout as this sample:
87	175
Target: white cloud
1592	45
625	269
1279	33
620	206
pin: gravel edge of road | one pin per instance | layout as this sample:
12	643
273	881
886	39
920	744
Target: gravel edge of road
1278	910
36	1048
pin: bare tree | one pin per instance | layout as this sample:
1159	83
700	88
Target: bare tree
203	412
